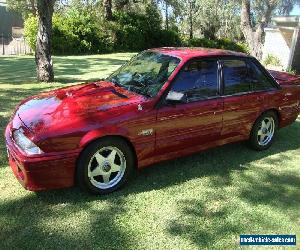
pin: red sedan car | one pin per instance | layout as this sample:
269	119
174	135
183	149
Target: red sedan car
162	104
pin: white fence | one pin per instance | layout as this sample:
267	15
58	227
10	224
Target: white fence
14	46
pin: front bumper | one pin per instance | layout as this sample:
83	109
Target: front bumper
41	172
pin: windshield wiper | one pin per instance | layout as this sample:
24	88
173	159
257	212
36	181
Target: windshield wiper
138	90
115	82
131	87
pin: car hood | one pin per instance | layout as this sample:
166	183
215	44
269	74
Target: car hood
80	104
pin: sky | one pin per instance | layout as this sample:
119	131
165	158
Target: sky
296	11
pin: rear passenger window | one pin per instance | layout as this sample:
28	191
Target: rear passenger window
259	80
236	78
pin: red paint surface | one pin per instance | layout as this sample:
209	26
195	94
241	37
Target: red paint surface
62	122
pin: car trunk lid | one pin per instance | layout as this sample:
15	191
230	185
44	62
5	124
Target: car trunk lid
284	78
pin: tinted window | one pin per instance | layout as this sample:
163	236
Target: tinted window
236	78
198	80
259	80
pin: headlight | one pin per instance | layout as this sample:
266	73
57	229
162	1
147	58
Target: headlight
25	144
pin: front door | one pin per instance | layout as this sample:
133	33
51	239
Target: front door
197	120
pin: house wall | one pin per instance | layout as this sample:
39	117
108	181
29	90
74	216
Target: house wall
275	44
296	57
9	19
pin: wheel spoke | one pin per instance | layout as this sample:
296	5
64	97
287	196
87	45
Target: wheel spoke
115	167
96	172
259	132
262	138
106	177
111	157
263	124
99	158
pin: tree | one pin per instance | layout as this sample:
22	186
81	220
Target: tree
256	15
286	6
43	60
120	4
172	9
253	30
107	4
191	6
210	19
24	7
43	9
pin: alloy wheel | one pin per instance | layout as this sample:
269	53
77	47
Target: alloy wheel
266	131
106	167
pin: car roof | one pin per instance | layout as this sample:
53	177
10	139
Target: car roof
188	53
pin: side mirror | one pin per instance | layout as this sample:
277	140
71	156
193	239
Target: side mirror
174	97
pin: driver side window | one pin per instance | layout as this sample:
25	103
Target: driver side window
198	80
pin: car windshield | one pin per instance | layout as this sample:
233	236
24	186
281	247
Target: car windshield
145	73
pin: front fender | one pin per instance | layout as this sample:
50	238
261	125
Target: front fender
98	133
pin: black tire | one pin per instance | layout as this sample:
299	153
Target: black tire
83	164
254	139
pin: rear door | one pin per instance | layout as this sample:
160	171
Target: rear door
245	92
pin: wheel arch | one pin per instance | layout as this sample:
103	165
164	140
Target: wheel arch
253	142
85	143
275	111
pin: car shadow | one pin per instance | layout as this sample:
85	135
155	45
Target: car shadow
206	218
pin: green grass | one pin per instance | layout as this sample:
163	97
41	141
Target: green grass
203	201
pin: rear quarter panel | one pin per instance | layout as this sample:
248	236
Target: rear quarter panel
288	98
289	104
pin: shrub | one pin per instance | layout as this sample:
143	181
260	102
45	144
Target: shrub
168	38
73	33
134	31
79	31
217	43
129	31
231	45
291	71
272	60
30	31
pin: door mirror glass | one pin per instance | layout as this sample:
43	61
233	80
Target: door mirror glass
176	97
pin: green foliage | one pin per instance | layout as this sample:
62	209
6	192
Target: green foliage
291	71
77	32
80	31
169	38
135	31
30	30
210	19
272	60
131	31
217	43
23	7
